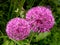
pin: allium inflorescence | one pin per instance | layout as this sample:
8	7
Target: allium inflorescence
17	29
40	19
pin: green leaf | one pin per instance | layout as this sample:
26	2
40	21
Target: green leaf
11	43
42	36
6	42
16	42
57	2
3	37
21	3
58	10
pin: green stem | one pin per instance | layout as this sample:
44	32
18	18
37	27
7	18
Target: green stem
1	33
31	38
10	8
30	4
14	6
41	2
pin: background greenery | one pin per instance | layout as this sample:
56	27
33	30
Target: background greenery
14	8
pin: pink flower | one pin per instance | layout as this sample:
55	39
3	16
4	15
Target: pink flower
40	19
17	29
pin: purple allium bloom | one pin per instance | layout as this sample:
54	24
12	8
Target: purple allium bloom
40	19
17	29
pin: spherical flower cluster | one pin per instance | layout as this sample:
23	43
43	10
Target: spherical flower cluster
40	19
17	29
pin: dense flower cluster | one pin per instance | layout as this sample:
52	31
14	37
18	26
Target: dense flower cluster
40	19
17	29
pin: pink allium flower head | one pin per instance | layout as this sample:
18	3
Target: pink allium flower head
40	19
17	29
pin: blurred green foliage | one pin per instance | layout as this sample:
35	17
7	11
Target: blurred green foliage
7	12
